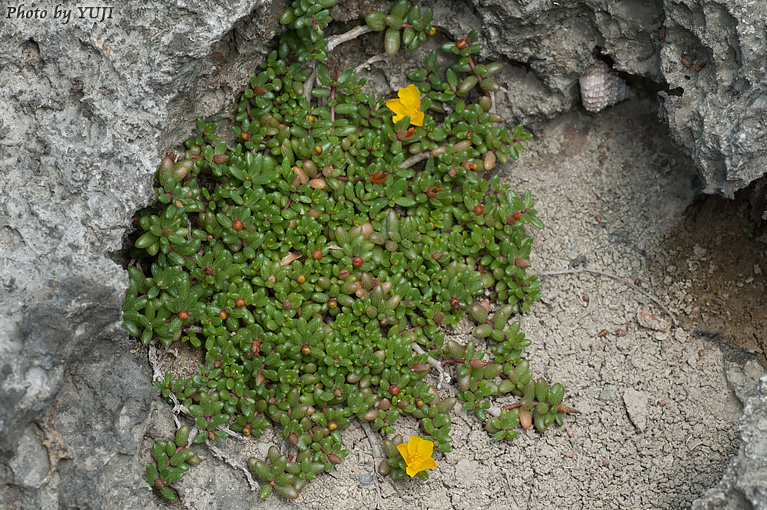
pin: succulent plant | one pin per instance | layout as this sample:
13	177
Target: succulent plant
311	258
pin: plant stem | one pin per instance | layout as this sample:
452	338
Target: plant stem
371	60
347	36
412	160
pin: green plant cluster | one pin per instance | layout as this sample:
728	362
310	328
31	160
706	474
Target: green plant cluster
173	459
308	259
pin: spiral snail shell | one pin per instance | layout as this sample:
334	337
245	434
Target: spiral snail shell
601	87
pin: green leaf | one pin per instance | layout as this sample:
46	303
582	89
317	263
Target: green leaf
391	41
168	493
405	202
151	474
146	240
376	21
175	473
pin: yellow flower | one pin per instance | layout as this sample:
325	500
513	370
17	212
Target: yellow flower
408	103
417	454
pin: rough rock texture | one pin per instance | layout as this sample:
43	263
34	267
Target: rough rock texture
719	118
744	484
709	57
90	105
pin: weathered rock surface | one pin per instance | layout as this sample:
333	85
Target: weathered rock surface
744	484
90	105
709	56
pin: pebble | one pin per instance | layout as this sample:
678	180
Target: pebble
365	479
608	396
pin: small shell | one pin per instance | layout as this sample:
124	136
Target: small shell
649	321
601	87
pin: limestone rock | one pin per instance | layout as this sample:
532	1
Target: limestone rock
706	57
88	107
744	484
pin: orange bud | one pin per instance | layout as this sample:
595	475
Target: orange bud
379	177
432	192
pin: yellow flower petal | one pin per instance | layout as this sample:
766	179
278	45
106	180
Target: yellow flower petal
408	103
410	96
403	450
422	446
423	466
416	118
417	455
399	109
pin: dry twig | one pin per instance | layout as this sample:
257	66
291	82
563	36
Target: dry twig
366	64
376	455
443	376
614	277
586	312
347	36
412	160
309	83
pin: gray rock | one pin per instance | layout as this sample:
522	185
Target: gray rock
718	117
714	112
608	395
30	465
744	484
742	370
365	479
